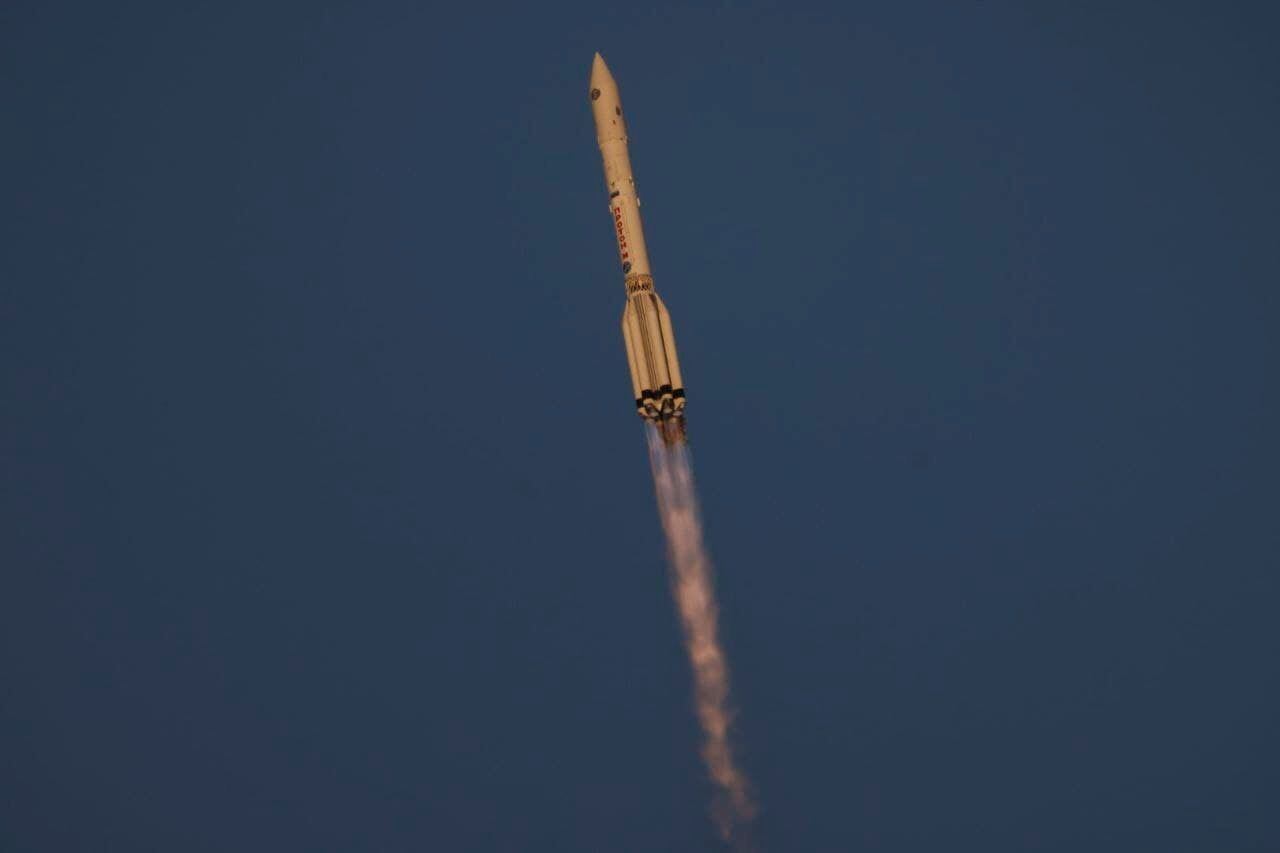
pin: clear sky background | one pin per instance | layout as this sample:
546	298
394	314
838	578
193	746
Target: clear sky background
326	515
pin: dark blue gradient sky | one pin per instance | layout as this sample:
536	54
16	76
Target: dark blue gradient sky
327	522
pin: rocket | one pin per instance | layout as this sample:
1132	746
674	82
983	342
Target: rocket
646	325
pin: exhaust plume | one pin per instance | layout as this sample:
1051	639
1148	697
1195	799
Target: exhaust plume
694	592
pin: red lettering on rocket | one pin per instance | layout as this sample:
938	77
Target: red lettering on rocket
622	240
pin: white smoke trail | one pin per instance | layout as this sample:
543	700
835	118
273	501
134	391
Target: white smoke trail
694	592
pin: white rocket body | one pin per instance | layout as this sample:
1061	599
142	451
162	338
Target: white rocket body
646	325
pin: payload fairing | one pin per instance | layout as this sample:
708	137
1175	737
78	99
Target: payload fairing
646	325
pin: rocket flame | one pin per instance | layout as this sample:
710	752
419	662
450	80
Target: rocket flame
694	592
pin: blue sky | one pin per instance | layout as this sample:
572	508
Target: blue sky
328	519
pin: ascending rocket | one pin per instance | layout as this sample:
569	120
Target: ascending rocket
646	326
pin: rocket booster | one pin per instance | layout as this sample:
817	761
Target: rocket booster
646	325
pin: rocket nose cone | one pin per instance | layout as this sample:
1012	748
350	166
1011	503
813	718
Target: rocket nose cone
606	106
599	72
